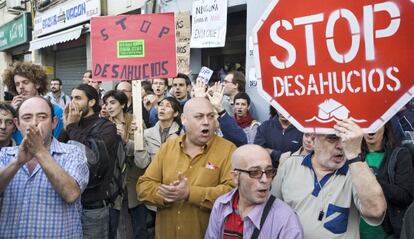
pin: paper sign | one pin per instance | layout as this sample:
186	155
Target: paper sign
205	74
209	23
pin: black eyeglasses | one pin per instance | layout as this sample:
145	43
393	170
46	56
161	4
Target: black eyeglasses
257	174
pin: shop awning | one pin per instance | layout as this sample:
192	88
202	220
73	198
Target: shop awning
63	36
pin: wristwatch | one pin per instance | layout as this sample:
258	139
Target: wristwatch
359	158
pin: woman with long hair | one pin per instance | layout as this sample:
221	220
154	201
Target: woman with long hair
116	103
397	181
168	126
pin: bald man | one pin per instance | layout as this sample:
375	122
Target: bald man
239	212
187	175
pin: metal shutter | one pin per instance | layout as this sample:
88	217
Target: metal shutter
70	67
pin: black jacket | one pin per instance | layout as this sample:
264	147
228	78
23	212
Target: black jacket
79	132
400	194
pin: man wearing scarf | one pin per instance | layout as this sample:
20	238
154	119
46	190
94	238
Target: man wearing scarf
243	117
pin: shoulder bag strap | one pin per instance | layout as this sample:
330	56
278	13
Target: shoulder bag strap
266	210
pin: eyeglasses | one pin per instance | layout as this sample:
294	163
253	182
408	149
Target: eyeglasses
257	174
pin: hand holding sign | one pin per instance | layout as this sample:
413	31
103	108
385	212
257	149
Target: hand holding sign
205	74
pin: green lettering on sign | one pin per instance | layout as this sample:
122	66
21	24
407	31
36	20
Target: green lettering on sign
130	48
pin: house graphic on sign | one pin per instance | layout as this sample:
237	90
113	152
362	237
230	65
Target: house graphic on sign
331	110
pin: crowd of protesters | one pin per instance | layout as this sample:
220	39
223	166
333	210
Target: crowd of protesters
208	168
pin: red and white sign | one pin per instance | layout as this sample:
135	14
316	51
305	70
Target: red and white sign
133	47
321	61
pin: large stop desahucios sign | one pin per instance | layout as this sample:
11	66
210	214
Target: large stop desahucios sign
320	61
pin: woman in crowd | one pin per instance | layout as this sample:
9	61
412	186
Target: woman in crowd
116	106
168	126
397	182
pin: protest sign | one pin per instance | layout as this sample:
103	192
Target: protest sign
209	23
133	47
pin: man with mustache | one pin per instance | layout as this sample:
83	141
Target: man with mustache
25	80
187	174
333	187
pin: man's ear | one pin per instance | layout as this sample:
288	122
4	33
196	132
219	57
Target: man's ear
54	122
16	123
235	177
183	120
91	103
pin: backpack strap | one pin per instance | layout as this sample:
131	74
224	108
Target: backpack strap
391	164
266	210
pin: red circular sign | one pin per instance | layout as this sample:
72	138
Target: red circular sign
322	61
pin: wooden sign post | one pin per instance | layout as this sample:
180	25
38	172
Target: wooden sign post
137	102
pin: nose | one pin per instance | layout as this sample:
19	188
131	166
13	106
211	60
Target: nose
2	124
338	144
264	178
205	120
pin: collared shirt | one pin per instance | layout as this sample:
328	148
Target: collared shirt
281	222
327	209
62	100
32	208
208	176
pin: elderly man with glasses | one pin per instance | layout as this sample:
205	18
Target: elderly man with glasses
249	211
331	188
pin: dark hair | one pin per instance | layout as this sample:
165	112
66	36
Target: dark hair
389	140
147	87
52	112
240	80
164	79
57	79
272	111
242	95
35	73
119	96
7	107
176	107
92	94
185	77
88	71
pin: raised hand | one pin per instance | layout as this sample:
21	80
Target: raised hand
17	100
199	88
216	97
351	136
72	114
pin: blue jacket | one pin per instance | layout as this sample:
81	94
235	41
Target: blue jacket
272	135
231	131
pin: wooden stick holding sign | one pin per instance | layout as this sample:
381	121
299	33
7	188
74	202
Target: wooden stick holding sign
137	103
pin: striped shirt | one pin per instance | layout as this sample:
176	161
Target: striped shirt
32	208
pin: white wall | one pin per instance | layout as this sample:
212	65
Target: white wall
255	9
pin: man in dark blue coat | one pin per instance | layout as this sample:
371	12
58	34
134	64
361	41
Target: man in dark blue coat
278	136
